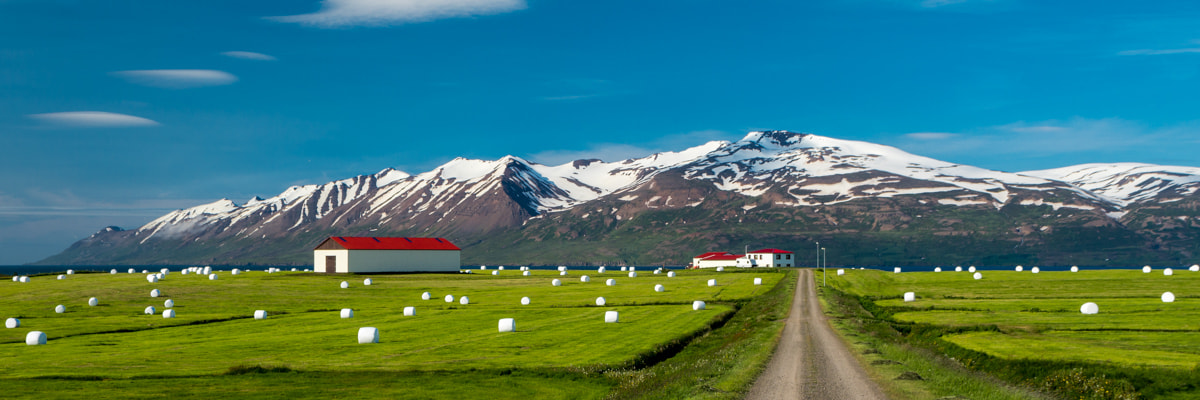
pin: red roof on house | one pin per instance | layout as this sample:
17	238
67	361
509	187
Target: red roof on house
391	243
773	251
723	257
712	253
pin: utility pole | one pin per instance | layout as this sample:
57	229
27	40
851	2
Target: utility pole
823	266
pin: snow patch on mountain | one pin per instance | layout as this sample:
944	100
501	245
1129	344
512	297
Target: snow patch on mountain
1126	183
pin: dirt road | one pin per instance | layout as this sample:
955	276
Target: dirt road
810	361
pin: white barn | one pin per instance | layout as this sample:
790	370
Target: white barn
346	254
716	259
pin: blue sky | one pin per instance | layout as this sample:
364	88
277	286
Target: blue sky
116	112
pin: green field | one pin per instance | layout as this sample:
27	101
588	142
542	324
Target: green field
562	347
1024	326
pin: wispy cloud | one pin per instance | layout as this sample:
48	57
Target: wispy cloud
349	13
92	119
930	135
620	151
177	78
249	55
1159	52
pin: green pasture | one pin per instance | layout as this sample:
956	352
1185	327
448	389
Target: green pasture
1037	316
214	330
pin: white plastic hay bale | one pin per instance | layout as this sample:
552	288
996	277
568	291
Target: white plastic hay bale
501	268
410	311
556	282
24	279
208	270
611	317
260	314
160	276
585	279
1195	268
425	296
1020	268
910	296
525	301
497	272
483	268
1146	269
657	271
169	303
659	288
896	270
1168	297
1168	272
632	274
670	274
561	268
600	301
368	335
449	298
1074	268
293	270
624	269
184	272
367	282
212	277
841	272
698	305
132	271
600	270
155	293
971	269
16	278
610	282
345	284
61	277
235	271
758	281
978	276
712	282
464	300
60	309
1089	308
525	273
35	338
92	302
168	313
12	323
1035	270
958	269
149	310
70	272
720	269
562	273
347	313
508	325
937	269
152	278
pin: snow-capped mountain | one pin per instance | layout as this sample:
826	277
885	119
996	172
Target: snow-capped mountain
475	200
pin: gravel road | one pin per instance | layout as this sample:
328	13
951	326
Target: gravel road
811	362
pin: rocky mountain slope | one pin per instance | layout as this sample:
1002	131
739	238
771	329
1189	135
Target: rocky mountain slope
875	204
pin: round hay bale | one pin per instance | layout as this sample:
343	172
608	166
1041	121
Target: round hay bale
1020	268
169	303
483	268
347	313
1194	268
633	268
1074	268
155	293
35	338
425	296
185	272
978	276
585	279
600	301
632	274
600	270
260	314
508	325
131	270
235	271
497	272
59	309
624	269
659	288
758	281
971	269
611	317
896	270
937	269
525	273
910	296
152	278
1035	270
168	313
610	282
368	335
670	274
160	276
1146	269
16	278
556	282
720	269
501	268
1089	308
562	268
1168	297
212	277
293	270
464	300
70	272
449	298
345	284
92	302
841	272
61	277
958	269
698	305
24	279
410	311
1168	272
525	301
166	271
12	323
712	282
657	271
149	310
367	282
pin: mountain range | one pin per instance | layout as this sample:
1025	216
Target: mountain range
868	204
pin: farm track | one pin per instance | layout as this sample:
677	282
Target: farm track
810	361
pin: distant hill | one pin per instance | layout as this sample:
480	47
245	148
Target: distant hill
868	204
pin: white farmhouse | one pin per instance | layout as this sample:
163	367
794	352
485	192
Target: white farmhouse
346	254
768	258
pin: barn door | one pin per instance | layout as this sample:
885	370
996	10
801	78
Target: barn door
330	264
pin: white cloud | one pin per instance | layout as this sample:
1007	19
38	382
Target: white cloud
939	3
177	78
347	13
930	135
249	55
92	119
1158	52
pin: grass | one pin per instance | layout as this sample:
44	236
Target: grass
562	348
1027	329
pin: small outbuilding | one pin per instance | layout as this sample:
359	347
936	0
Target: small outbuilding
716	259
346	254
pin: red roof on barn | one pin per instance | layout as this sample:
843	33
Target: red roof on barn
773	251
390	243
712	253
722	257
